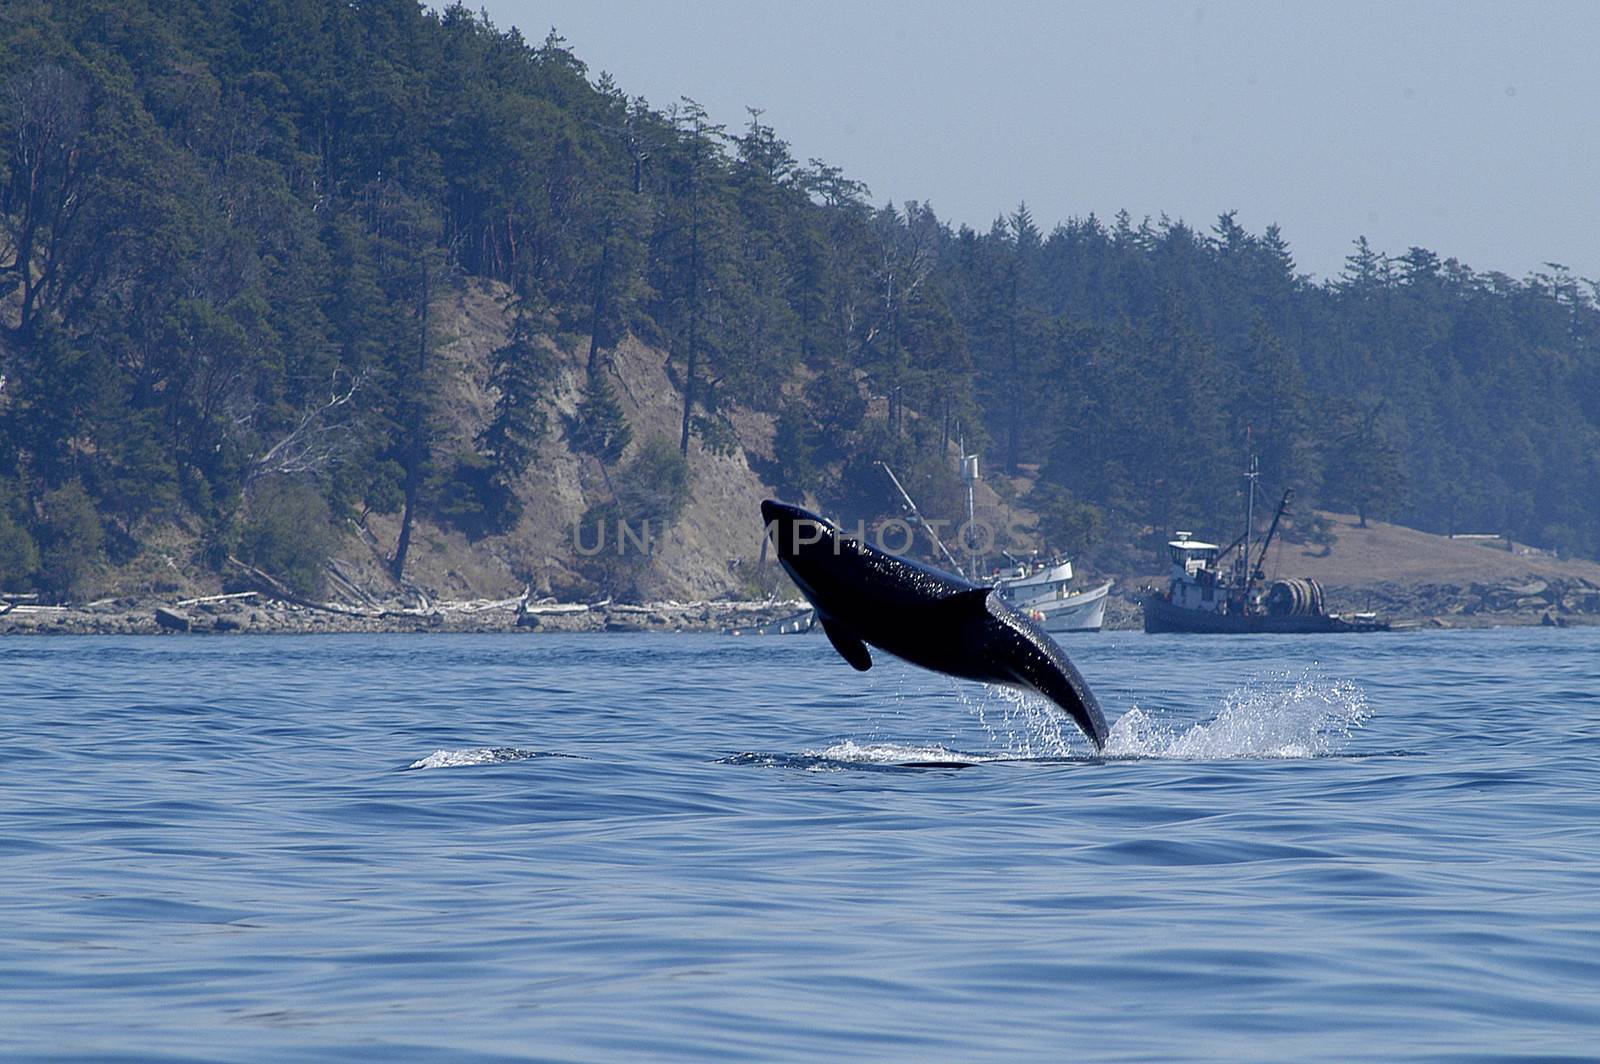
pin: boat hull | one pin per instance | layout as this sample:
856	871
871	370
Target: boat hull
1161	615
1082	612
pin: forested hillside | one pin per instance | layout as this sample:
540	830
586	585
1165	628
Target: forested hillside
225	229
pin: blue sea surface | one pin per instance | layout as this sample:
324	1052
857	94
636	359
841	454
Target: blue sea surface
687	848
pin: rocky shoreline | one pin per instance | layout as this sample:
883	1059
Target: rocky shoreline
257	613
1434	605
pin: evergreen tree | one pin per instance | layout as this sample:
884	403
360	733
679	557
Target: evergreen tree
690	260
600	427
19	555
69	538
520	371
1364	469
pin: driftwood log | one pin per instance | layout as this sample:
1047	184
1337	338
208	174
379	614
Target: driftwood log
274	588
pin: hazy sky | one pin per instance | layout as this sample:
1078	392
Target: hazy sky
1472	129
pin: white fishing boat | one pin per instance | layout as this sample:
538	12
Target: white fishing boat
1043	592
1040	590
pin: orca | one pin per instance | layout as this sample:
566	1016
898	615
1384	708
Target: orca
937	620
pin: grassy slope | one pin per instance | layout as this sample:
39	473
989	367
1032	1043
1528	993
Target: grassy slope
1385	553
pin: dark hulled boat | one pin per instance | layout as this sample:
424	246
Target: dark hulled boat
1205	594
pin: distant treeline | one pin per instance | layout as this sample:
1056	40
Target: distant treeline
224	225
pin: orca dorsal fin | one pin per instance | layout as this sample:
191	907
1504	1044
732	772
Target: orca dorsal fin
849	647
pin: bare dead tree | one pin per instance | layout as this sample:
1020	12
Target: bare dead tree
312	445
905	262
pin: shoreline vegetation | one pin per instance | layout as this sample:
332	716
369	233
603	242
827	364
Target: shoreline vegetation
1411	578
387	286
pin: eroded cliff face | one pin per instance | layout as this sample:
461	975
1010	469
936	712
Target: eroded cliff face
707	553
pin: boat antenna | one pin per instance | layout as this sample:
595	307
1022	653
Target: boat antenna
1251	475
969	473
917	519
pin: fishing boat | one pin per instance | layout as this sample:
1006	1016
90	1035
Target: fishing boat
1039	589
1224	589
1043	592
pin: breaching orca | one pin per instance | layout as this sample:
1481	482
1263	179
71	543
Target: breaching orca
926	616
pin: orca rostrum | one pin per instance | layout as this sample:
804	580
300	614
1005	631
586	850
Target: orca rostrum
865	596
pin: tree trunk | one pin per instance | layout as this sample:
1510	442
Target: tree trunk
597	314
414	450
688	400
1014	383
402	546
692	357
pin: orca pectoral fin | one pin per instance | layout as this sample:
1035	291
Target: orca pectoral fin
849	647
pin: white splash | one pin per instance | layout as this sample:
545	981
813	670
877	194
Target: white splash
477	755
870	753
1025	726
1279	717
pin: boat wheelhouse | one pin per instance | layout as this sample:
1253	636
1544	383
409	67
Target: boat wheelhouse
1043	592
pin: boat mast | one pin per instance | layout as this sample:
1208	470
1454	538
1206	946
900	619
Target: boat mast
916	518
1251	476
969	473
1266	544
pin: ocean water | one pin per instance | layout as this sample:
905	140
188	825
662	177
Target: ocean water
687	848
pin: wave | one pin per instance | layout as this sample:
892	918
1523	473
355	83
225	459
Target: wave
848	751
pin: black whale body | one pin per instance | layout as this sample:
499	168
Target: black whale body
924	615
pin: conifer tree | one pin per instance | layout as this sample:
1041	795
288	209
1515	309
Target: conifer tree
521	372
600	427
